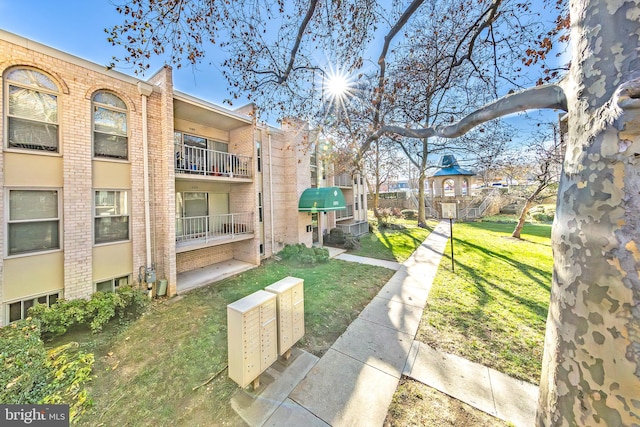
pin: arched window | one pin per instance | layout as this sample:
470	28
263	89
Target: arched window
449	188
32	113
110	137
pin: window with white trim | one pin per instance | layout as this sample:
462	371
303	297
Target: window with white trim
110	137
259	155
34	221
32	113
111	216
19	310
112	284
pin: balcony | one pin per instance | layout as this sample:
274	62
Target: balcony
204	162
343	180
345	213
357	229
201	231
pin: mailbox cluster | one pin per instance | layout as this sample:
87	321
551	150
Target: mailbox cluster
262	326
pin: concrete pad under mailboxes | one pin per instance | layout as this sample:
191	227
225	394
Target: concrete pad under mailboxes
516	400
343	391
452	375
290	414
409	295
255	407
393	314
375	345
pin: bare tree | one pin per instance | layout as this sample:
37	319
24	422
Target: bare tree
382	166
548	159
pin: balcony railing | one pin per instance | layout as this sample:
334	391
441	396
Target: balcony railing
345	213
343	180
357	229
205	229
202	161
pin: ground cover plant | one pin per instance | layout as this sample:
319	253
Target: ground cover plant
32	375
493	308
168	367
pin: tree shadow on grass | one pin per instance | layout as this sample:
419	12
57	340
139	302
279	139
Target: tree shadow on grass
383	237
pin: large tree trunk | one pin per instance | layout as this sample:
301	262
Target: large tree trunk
591	367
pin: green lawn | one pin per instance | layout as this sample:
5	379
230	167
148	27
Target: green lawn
392	245
145	372
493	309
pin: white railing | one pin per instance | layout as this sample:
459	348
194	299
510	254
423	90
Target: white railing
357	229
343	180
414	200
204	229
345	213
469	213
487	201
202	161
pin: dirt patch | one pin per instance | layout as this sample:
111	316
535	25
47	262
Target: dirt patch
415	404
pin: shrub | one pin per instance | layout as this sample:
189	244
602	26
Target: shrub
303	255
22	357
94	313
351	242
410	214
543	217
336	236
291	251
31	375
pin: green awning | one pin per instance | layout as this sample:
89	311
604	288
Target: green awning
321	200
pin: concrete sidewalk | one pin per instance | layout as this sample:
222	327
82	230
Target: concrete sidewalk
354	382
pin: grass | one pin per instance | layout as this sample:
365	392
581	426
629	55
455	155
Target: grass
146	371
493	308
390	244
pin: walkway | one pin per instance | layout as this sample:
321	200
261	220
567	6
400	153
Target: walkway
354	382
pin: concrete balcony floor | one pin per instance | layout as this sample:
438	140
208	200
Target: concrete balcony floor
203	276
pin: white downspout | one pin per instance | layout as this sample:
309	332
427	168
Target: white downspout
145	90
273	239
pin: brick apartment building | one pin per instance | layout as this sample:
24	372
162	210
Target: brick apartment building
110	180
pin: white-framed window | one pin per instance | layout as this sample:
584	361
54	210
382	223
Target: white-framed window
110	136
34	221
18	310
259	155
32	110
260	212
111	216
111	285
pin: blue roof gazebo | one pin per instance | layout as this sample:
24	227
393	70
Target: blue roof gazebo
448	169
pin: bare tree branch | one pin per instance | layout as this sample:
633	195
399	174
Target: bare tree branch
296	46
411	9
551	96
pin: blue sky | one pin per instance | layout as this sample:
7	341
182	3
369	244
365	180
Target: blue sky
77	27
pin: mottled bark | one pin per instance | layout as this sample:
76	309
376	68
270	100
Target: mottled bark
591	367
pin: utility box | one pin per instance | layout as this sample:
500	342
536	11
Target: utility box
252	337
290	303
